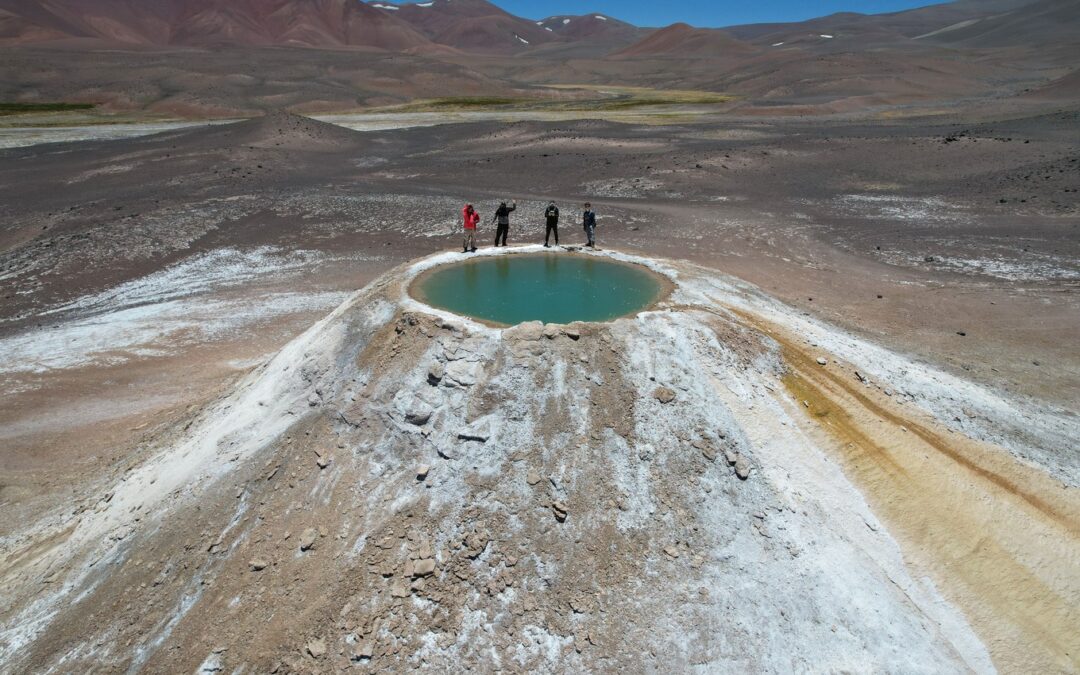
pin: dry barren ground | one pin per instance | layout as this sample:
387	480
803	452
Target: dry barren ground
399	488
917	490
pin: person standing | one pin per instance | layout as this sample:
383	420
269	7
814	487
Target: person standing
471	219
552	216
588	219
502	220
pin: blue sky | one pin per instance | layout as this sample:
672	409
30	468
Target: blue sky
704	12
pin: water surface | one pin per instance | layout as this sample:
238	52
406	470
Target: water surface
553	288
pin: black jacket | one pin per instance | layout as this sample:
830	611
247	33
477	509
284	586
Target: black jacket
502	214
589	219
552	215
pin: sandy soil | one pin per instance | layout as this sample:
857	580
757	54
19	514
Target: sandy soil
937	259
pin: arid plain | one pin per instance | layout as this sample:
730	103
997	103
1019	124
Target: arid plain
896	196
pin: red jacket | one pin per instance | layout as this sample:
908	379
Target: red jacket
471	218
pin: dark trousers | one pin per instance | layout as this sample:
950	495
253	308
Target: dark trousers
501	233
552	227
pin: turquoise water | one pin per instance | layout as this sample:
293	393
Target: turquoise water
511	289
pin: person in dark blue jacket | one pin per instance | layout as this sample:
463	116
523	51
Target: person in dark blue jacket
588	219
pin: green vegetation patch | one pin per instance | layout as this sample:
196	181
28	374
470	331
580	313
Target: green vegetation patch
465	102
574	99
25	108
649	101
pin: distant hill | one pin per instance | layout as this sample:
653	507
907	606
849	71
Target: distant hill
599	28
962	22
220	56
682	40
1048	24
309	23
468	25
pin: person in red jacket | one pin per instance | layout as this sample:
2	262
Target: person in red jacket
470	218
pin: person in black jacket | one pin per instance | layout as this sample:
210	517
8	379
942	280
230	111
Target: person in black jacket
552	215
588	219
502	219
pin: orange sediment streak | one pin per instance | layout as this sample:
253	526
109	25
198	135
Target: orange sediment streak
999	537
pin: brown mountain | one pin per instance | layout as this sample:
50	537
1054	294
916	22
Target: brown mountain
946	22
469	25
593	27
685	41
309	23
1046	24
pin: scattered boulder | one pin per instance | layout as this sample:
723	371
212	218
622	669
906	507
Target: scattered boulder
362	651
436	373
462	373
742	467
664	394
475	543
399	589
552	331
480	430
821	361
533	477
449	451
572	332
322	459
530	331
423	568
414	409
706	448
561	511
422	472
258	564
308	538
317	648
